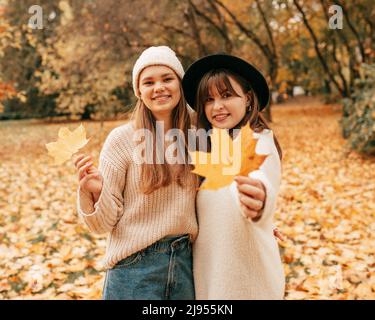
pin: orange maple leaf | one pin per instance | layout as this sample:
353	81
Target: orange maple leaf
250	159
228	158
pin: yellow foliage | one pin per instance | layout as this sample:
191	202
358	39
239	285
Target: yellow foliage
67	144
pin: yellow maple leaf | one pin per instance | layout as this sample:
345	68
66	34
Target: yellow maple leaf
228	158
68	143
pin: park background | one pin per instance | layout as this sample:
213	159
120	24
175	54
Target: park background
63	63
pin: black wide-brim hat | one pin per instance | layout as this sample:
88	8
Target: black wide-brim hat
199	68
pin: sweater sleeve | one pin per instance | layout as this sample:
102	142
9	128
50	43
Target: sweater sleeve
109	207
269	173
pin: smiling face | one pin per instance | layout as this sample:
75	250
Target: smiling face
160	91
225	105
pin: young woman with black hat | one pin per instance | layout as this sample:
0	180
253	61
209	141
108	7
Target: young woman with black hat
235	255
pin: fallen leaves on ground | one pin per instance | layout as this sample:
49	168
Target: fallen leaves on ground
326	210
326	207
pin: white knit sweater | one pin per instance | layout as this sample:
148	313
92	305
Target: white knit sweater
234	257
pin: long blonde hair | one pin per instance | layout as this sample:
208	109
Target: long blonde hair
155	176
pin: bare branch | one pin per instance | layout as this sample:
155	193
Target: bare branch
317	50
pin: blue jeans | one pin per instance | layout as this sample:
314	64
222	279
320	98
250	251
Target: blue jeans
162	271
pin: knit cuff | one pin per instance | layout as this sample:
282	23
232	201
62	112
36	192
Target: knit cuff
104	216
269	206
270	202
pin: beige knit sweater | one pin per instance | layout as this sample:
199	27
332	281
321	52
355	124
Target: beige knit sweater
234	257
132	219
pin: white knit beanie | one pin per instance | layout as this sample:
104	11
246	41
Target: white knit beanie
156	56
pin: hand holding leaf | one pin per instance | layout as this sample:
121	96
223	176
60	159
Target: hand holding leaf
89	177
67	144
228	158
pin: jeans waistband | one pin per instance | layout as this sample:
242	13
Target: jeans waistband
167	243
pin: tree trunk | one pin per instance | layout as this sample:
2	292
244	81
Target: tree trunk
353	29
190	17
317	50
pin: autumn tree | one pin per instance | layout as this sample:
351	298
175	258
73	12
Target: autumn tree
9	38
20	62
339	51
80	63
234	25
91	69
358	122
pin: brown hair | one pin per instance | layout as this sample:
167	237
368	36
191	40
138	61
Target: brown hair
219	78
155	176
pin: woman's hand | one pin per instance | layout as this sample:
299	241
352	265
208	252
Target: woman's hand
89	177
278	234
252	194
